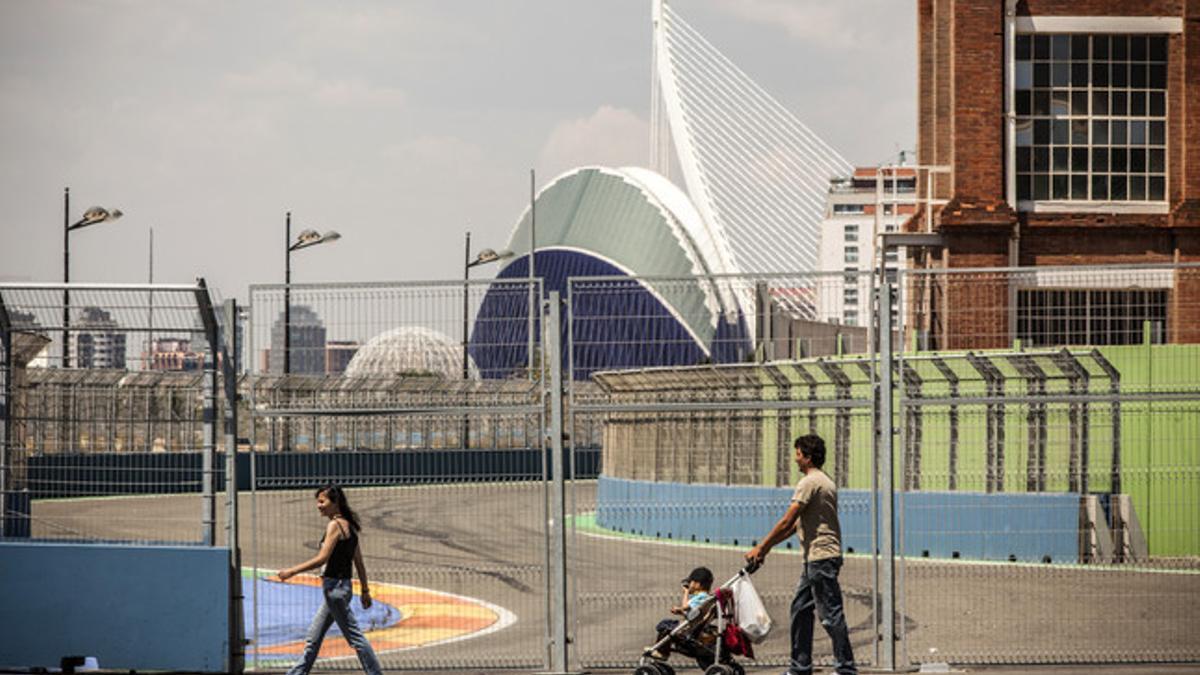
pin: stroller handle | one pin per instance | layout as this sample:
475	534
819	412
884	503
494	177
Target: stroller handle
750	568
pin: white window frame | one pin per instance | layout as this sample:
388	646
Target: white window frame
1033	25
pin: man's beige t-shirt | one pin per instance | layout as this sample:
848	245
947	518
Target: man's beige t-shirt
819	530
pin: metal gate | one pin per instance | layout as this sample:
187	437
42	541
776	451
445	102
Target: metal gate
1039	429
427	403
692	389
1040	425
1048	420
113	420
88	413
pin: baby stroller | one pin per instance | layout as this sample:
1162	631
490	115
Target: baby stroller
710	636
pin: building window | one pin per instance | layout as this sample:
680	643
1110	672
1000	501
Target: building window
851	233
851	254
850	296
890	256
847	208
1055	317
850	316
1091	117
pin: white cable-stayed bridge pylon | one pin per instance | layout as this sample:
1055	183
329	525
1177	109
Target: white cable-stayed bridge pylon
752	168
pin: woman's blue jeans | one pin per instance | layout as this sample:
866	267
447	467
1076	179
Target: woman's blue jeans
336	608
819	587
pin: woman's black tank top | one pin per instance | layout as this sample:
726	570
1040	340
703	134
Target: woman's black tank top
339	565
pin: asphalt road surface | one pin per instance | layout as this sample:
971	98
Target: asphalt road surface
487	541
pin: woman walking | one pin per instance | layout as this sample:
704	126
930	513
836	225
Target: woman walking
338	548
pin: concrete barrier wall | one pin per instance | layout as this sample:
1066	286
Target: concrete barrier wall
1027	527
130	607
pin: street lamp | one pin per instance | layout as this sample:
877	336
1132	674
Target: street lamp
305	239
93	216
484	257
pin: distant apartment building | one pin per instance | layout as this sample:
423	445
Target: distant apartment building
307	344
859	207
1070	135
98	342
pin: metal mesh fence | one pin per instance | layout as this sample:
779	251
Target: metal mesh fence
423	399
1051	490
480	328
1046	420
341	413
92	411
620	323
699	404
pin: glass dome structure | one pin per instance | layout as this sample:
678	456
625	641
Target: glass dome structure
411	350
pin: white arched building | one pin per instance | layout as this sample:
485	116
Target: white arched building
756	182
632	224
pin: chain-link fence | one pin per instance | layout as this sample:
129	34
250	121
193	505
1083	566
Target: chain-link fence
91	412
700	385
1058	456
1045	476
1045	423
424	400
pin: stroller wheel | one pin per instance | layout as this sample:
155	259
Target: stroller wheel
737	668
719	669
664	669
646	670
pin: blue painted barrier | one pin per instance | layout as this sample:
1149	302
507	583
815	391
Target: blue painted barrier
1028	527
130	607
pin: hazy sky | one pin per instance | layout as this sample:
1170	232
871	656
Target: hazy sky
401	124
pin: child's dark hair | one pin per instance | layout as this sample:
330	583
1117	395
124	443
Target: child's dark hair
813	447
338	497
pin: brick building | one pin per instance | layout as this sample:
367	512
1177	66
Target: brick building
1071	131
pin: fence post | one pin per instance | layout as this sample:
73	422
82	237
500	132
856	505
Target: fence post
558	568
885	469
208	452
229	376
6	409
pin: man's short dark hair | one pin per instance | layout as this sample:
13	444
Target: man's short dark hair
813	447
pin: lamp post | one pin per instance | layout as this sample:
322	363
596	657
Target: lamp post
484	257
93	216
305	239
532	272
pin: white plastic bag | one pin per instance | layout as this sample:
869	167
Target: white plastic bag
751	613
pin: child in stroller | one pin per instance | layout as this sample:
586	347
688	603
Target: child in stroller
710	643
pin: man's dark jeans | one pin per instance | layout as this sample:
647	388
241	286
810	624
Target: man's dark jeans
819	587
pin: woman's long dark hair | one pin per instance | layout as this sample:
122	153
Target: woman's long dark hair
338	497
